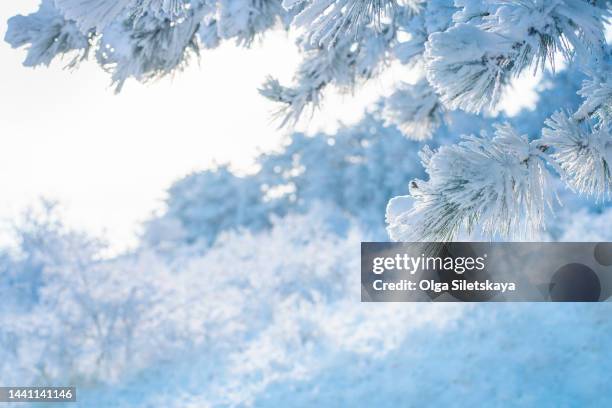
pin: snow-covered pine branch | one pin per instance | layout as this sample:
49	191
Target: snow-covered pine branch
149	47
415	110
345	64
208	33
141	39
597	94
492	41
243	20
327	21
48	35
499	184
583	152
98	14
468	66
415	29
346	43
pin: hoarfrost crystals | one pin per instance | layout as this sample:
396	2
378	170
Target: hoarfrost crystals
148	48
491	41
346	64
415	110
468	67
500	184
597	93
328	20
48	34
98	14
584	153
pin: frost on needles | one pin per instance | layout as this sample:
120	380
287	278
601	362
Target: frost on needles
139	39
500	183
464	54
490	42
48	34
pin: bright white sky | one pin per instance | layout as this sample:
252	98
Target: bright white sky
109	158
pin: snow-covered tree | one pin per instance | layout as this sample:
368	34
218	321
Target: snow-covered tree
466	54
358	170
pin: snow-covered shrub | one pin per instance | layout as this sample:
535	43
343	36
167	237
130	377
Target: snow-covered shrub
254	308
71	316
203	205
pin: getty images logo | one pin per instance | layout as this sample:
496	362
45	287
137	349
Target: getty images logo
412	264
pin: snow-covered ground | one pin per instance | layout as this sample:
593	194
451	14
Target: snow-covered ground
273	319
